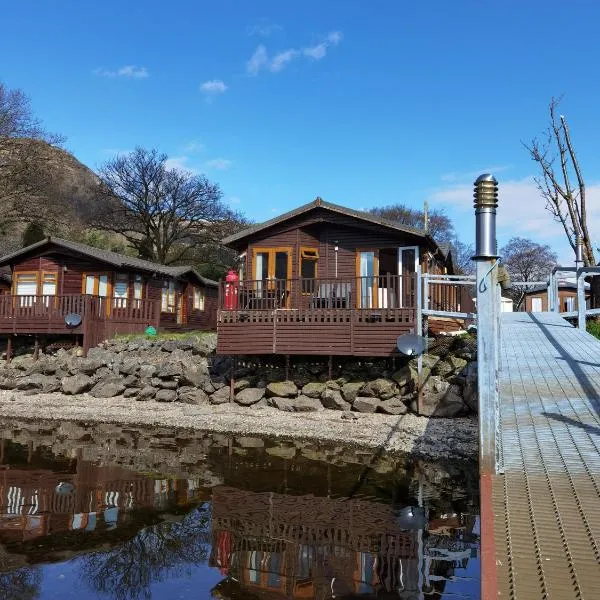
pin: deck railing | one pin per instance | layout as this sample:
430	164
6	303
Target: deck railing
57	307
375	292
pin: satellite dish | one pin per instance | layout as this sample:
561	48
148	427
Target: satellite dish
64	488
73	320
411	517
411	344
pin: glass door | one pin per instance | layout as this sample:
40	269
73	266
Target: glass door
408	259
272	270
367	271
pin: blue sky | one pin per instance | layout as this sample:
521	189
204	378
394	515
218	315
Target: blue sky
362	103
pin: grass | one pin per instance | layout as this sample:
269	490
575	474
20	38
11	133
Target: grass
167	335
593	327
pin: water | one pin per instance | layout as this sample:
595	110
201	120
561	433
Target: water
103	511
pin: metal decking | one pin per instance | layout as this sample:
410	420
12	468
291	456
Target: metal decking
546	505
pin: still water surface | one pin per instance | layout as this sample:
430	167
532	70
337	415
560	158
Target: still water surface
104	511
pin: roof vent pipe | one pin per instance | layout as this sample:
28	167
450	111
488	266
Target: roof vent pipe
486	202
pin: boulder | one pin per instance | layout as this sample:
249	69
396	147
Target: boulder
194	375
146	393
131	392
306	404
440	399
393	406
333	384
169	370
380	388
100	355
443	369
249	396
8	383
129	366
192	395
147	371
313	389
285	404
351	390
166	396
77	384
38	381
429	361
166	384
366	405
333	399
45	366
457	363
108	387
87	366
282	389
407	377
242	383
131	381
221	396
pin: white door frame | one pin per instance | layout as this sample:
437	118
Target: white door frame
400	250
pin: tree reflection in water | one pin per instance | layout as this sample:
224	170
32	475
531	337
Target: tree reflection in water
23	584
169	549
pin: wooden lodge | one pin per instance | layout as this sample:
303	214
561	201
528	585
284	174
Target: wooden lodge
109	293
327	280
536	297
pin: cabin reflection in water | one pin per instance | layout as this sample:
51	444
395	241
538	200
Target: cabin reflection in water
278	546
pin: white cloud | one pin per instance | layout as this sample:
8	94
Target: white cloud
260	58
257	61
218	164
213	87
179	163
194	146
521	212
130	71
282	59
264	28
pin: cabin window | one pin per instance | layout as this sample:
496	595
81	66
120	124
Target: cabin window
138	289
96	284
49	284
308	268
198	298
121	290
168	297
242	266
26	285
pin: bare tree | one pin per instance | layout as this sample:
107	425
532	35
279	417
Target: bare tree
440	224
164	213
563	187
462	254
527	261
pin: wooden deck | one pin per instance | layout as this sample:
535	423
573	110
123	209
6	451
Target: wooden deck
545	506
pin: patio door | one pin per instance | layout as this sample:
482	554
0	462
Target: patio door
272	270
98	284
367	271
408	261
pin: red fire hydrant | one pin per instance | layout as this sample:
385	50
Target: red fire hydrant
232	280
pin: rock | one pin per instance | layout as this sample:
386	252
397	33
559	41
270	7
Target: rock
351	390
131	381
306	404
350	416
243	383
131	392
366	405
106	357
440	399
77	384
429	361
333	399
333	384
169	346
380	388
129	366
147	371
192	395
146	393
88	365
313	389
457	363
249	396
44	383
249	442
262	403
165	384
407	377
108	387
194	375
8	383
44	366
169	370
443	369
285	404
282	389
393	406
166	396
221	396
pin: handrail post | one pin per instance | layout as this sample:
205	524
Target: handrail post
419	331
581	300
486	258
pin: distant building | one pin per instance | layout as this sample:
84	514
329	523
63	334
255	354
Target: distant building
536	298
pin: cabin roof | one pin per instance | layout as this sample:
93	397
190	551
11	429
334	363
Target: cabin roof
334	208
111	258
563	284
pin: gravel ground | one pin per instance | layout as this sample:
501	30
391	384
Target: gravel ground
420	436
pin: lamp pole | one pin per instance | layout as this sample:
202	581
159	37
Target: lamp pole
488	309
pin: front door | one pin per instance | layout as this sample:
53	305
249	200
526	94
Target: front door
408	260
272	270
98	284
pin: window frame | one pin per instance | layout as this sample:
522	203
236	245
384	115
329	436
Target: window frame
199	294
171	291
307	288
121	301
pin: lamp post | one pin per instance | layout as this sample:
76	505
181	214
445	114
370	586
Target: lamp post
486	258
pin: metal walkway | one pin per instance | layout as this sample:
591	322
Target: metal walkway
546	505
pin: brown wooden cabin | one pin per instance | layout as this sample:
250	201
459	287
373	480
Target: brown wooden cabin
113	293
5	282
327	280
536	298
